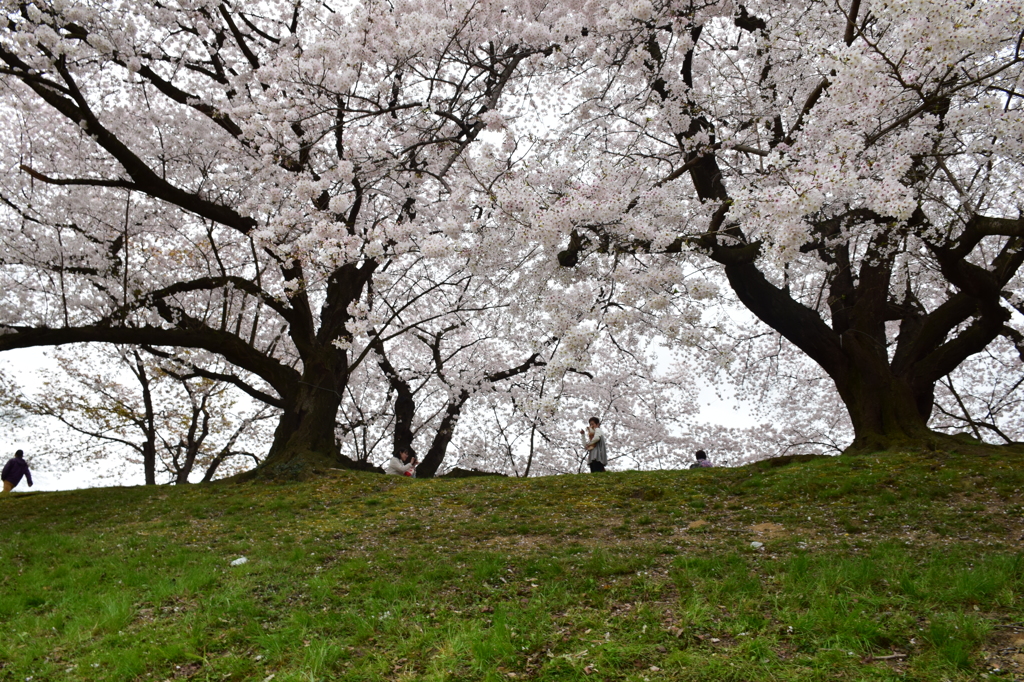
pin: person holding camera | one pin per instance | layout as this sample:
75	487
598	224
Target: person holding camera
594	444
402	464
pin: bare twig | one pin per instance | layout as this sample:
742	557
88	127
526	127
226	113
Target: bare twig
890	657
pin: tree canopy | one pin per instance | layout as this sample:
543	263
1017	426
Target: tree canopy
491	191
852	169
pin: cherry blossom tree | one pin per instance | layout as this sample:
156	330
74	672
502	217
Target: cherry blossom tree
230	177
442	333
850	172
500	355
280	185
472	332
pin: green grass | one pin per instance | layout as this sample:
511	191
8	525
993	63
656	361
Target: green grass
883	567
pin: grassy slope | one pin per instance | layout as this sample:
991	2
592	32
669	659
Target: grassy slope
896	566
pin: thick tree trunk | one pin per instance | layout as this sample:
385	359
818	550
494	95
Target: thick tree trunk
304	442
886	407
885	410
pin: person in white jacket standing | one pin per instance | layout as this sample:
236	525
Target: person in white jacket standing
402	464
593	441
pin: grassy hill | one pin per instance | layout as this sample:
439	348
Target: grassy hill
883	567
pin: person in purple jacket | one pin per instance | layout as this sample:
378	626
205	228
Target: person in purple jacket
15	468
702	460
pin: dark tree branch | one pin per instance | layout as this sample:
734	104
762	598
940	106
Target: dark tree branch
281	377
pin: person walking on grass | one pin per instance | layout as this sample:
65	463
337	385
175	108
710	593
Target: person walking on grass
14	470
402	464
594	443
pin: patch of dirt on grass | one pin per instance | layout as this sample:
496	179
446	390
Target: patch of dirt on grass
1004	650
522	542
145	615
186	671
769	530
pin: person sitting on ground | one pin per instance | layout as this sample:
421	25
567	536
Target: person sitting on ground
594	443
14	470
702	460
402	464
